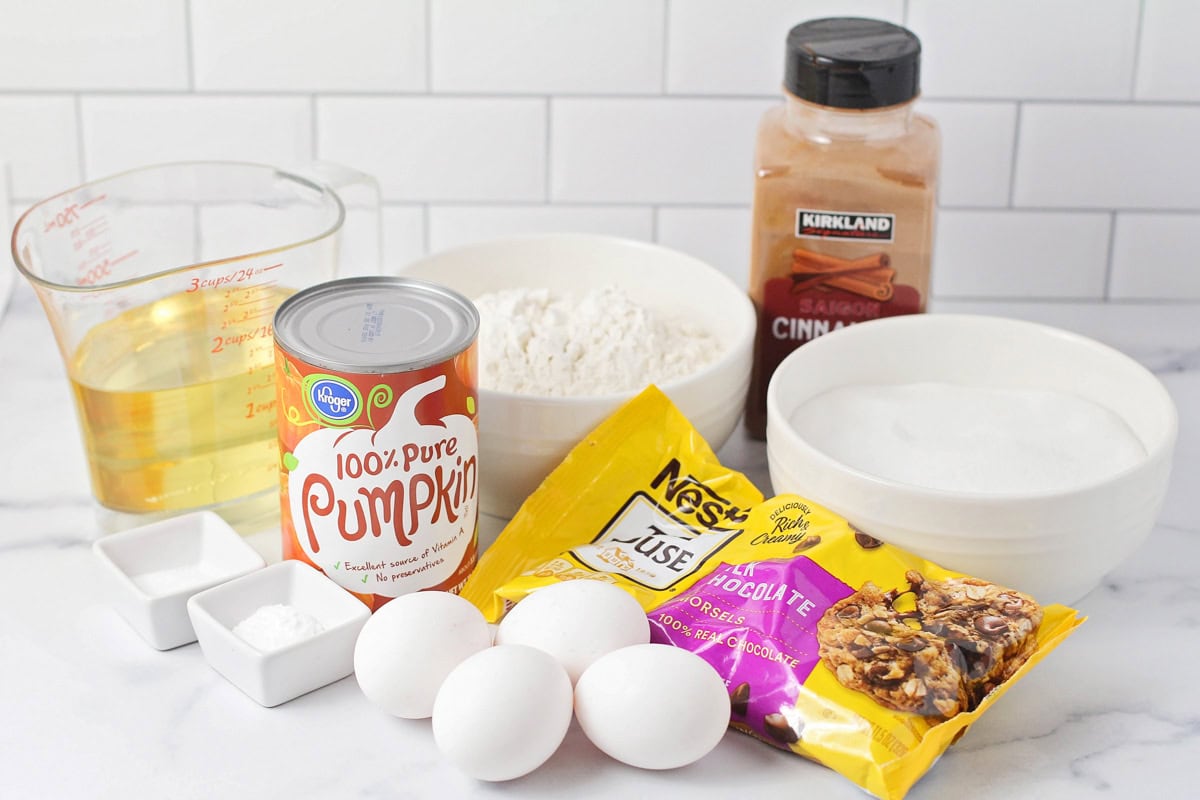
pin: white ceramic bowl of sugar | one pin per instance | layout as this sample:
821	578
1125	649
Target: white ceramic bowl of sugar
523	437
1054	544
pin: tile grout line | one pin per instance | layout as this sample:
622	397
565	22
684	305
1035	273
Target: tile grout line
1137	49
666	46
428	46
1108	266
492	203
904	13
425	226
1067	209
1012	168
1072	300
197	234
80	150
547	160
10	204
314	131
632	96
739	206
1008	299
189	47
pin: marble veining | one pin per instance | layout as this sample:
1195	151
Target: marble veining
91	711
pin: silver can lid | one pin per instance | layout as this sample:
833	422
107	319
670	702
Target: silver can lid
375	324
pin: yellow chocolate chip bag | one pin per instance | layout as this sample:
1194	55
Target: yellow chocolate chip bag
617	506
834	645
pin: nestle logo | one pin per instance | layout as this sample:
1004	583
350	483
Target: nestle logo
334	400
812	224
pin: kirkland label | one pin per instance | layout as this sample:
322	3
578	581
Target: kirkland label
813	224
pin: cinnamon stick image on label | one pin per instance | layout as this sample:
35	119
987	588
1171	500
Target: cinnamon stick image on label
808	261
868	276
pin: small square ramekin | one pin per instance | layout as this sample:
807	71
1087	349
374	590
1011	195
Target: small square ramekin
274	677
151	571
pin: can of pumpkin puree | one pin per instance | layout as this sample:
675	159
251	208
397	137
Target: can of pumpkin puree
378	439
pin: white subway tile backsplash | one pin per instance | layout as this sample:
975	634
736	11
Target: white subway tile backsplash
1059	49
1168	58
1108	156
546	46
717	236
1068	126
977	148
719	47
309	45
1020	254
450	226
126	131
653	150
1154	257
438	149
117	44
38	137
403	236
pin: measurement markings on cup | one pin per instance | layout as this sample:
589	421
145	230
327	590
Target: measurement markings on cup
240	275
93	273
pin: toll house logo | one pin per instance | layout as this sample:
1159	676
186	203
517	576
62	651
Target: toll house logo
851	225
650	546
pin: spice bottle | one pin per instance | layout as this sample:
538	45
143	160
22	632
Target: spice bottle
844	194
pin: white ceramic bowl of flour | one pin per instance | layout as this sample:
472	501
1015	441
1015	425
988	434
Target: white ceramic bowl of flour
1013	451
524	436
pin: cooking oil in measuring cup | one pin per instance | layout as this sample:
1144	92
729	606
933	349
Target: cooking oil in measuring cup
165	429
161	285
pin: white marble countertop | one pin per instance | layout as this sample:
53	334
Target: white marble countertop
89	710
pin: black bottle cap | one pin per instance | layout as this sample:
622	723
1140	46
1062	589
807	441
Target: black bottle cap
847	62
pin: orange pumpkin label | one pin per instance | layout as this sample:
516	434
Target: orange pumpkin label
379	474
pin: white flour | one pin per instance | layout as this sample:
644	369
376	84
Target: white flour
542	342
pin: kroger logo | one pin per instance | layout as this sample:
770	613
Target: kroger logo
334	400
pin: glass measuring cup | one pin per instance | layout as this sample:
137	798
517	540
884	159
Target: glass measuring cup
160	284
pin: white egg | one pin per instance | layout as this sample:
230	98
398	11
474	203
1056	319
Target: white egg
408	647
576	622
501	713
652	706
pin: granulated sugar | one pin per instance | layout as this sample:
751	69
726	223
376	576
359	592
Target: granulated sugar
276	626
969	439
543	342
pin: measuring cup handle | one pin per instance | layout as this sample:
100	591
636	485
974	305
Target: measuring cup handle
361	245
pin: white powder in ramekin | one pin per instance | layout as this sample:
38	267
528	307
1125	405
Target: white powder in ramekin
276	626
